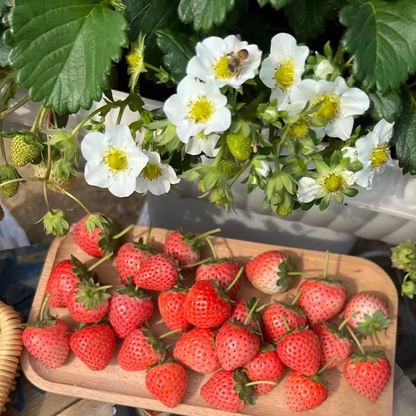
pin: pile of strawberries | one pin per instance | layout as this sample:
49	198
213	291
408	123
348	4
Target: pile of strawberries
246	345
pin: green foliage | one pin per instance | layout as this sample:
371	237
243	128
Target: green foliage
385	106
277	4
204	13
51	45
382	36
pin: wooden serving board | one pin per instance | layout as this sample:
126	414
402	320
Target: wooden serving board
128	388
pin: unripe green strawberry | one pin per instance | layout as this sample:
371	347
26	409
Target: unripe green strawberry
65	184
56	222
239	146
228	168
24	148
8	173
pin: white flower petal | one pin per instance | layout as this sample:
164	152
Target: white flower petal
169	173
142	184
93	146
304	91
354	102
187	87
159	186
384	131
308	189
97	174
220	121
339	86
350	153
212	91
283	47
194	146
365	146
365	177
324	69
340	128
349	177
119	136
137	161
267	71
175	109
198	68
123	185
207	145
187	130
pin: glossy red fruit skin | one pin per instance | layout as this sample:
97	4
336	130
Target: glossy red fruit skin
321	301
302	393
239	313
331	345
136	354
219	392
273	324
221	272
301	351
61	282
82	314
367	378
85	240
172	309
204	308
265	366
127	313
128	261
181	250
236	346
167	383
48	344
94	346
159	273
196	350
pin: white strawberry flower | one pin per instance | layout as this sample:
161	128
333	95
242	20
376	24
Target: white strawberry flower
197	107
284	67
156	177
203	144
323	69
214	61
373	152
113	160
339	104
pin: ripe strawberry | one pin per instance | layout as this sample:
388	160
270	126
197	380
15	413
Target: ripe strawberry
368	374
322	298
47	340
167	383
270	272
159	272
25	147
241	309
239	146
94	345
196	350
266	365
61	282
273	324
129	309
372	314
300	351
88	302
171	307
185	247
131	256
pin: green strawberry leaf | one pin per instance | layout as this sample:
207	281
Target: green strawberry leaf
381	35
277	4
204	13
177	50
385	106
52	43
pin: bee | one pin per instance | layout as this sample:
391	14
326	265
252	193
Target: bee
237	61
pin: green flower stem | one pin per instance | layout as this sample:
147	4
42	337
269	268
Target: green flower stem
175	331
285	322
213	251
327	364
46	197
35	123
91	115
326	264
374	332
356	340
19	180
49	164
255	383
271	134
219	156
43	307
42	118
124	232
240	272
276	154
294	301
349	62
346	320
72	197
240	172
101	289
152	67
251	311
296	273
208	233
8	78
3	151
101	261
262	307
149	232
10	110
120	113
198	263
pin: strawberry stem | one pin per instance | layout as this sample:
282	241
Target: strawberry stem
170	333
240	272
43	307
255	383
374	332
198	263
346	320
213	251
199	237
101	261
294	301
125	231
262	307
149	231
326	264
285	323
100	288
327	364
356	340
296	273
251	311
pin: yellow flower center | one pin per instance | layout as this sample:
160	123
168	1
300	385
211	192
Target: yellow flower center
135	61
333	182
379	156
329	108
285	75
116	160
221	68
299	130
152	171
201	110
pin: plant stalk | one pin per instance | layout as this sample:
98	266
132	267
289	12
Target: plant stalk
175	331
10	110
101	261
240	272
356	340
124	232
251	311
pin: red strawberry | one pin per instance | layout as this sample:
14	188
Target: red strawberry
321	298
266	365
270	272
372	314
94	345
196	350
300	351
241	310
167	383
184	247
159	272
131	256
88	302
273	323
129	309
47	340
171	307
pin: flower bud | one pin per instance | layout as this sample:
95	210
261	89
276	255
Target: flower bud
56	222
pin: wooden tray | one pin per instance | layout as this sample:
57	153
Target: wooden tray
128	388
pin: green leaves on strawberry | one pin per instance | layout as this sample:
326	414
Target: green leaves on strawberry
25	147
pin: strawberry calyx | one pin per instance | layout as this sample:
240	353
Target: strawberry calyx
178	289
224	293
83	325
156	341
245	392
237	324
194	240
91	294
133	291
286	272
372	324
143	244
267	347
288	330
367	356
42	322
293	307
80	269
326	280
162	362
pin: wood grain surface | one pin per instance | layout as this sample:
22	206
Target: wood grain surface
117	386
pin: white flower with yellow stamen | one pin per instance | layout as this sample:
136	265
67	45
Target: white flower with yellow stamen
373	152
201	143
339	104
284	67
113	160
156	177
197	107
224	61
